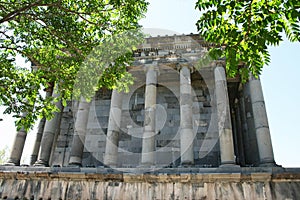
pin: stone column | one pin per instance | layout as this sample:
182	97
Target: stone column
37	143
19	142
148	148
239	133
250	141
224	120
244	126
261	122
39	134
17	148
186	117
51	127
114	122
80	126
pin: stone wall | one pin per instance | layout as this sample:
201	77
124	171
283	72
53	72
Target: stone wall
197	186
167	139
189	127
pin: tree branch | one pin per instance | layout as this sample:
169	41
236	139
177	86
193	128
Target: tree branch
31	58
249	19
79	14
10	16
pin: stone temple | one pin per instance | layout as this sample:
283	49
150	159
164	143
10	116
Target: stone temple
185	130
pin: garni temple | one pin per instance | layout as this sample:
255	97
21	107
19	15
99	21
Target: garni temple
185	130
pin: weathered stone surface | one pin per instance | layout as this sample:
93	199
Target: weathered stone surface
246	184
224	120
188	100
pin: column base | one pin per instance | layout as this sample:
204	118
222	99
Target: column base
229	165
41	163
110	161
11	162
75	161
110	165
73	164
269	164
186	164
33	159
146	165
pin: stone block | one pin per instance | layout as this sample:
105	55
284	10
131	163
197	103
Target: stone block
102	111
201	135
137	132
207	104
166	131
91	131
170	135
101	144
173	111
129	159
198	92
98	137
197	105
97	156
97	102
140	118
197	144
203	110
196	116
106	102
102	119
124	144
201	123
94	148
176	117
61	143
65	122
200	98
208	145
93	125
201	129
58	158
169	123
135	149
167	145
212	134
164	158
63	137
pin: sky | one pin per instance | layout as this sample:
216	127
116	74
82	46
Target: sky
280	81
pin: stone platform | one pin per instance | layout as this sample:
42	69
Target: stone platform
149	183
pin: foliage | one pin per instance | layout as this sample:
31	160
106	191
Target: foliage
242	30
56	36
102	66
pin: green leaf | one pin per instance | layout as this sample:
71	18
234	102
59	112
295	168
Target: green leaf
57	37
246	28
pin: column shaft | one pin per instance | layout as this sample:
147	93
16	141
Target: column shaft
81	121
250	141
17	149
39	134
224	121
148	148
186	114
37	143
239	134
51	128
261	122
19	141
244	127
113	131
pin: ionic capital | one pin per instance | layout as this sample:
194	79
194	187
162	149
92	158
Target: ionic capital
220	63
180	66
151	67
